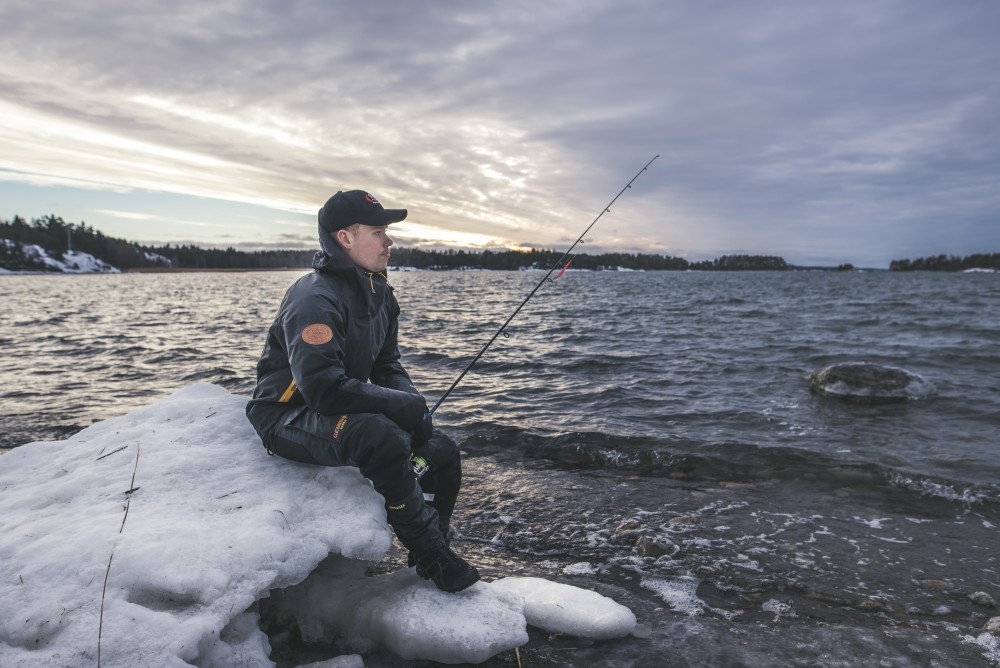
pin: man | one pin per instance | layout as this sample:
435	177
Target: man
331	389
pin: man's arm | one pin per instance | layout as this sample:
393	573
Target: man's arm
313	335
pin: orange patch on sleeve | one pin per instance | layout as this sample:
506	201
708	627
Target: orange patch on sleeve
317	335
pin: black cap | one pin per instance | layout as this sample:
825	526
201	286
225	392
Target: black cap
356	206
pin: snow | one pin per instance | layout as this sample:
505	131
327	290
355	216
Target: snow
71	262
158	259
338	602
580	568
561	608
76	262
191	522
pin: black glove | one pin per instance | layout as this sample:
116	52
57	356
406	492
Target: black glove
422	433
406	410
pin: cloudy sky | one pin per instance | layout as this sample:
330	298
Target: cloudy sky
851	131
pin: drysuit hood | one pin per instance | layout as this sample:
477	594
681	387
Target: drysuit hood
332	258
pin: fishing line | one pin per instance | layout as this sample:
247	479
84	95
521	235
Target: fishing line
558	264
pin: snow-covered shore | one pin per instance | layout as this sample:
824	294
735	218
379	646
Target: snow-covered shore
70	262
146	540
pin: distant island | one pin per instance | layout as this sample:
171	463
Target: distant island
51	244
982	261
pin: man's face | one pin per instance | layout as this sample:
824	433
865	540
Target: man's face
367	246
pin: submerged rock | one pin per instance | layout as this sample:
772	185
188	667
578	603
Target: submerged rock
983	599
651	547
934	585
868	383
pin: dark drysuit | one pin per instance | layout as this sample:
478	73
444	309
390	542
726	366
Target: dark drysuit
331	391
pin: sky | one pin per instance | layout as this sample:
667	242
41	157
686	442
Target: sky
856	131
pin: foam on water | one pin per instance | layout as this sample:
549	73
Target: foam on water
679	593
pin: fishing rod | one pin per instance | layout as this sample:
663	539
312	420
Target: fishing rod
531	294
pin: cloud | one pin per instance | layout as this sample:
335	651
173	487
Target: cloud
128	215
781	125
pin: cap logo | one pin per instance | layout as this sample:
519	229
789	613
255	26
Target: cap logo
371	198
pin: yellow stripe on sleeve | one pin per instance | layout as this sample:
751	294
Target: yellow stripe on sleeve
288	393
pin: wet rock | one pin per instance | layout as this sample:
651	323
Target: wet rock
983	599
280	639
993	626
934	585
863	382
872	605
650	547
627	532
627	528
684	520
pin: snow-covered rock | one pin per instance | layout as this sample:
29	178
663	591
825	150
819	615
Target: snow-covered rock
568	610
71	262
76	262
404	613
148	538
157	259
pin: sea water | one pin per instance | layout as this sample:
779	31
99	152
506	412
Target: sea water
648	435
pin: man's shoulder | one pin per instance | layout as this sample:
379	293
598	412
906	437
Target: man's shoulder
319	287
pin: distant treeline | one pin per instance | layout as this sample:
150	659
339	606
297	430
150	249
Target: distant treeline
193	257
948	263
547	259
55	235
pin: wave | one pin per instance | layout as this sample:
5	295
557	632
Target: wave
693	462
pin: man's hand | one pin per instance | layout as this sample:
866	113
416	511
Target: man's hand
406	410
422	433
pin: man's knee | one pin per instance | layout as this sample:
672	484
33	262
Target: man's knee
440	450
375	443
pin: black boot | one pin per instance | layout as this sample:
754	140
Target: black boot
415	523
444	524
448	571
